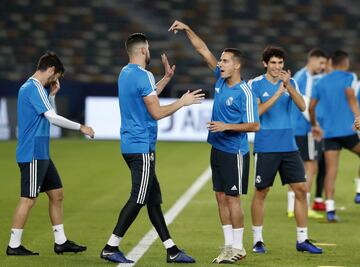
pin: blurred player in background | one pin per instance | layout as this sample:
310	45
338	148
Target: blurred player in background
335	92
309	148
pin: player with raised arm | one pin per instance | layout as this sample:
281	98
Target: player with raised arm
234	114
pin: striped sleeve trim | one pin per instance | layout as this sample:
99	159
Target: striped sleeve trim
295	85
43	95
150	77
249	103
354	80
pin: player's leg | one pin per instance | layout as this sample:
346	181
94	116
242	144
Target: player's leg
217	166
318	203
292	172
53	187
266	166
353	143
32	174
139	165
332	162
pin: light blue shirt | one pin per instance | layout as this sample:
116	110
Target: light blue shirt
233	105
276	133
338	119
138	132
33	127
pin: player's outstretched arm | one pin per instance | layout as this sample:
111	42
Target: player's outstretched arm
62	122
158	112
169	73
196	41
219	126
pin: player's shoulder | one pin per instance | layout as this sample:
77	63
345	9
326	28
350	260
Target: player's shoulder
145	75
255	80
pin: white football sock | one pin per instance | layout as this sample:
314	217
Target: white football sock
291	201
15	237
330	205
238	238
59	234
228	234
114	241
168	243
257	233
302	234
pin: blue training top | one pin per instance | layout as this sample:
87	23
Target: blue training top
233	105
329	91
276	133
33	127
138	131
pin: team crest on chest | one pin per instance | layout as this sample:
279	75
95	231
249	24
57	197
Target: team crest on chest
229	101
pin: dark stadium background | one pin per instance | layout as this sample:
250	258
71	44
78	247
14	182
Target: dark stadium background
89	36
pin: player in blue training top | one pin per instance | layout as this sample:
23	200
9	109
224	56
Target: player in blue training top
309	147
36	110
275	148
335	92
234	114
140	110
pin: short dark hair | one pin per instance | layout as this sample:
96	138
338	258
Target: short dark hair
338	57
273	51
48	60
133	39
236	53
317	52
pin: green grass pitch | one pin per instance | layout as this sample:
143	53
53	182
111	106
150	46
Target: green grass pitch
96	182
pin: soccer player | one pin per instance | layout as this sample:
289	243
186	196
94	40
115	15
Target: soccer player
308	146
36	110
234	114
335	92
140	110
275	148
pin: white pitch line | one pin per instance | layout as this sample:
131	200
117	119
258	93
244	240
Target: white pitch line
144	244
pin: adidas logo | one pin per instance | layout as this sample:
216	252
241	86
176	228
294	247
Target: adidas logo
233	188
265	94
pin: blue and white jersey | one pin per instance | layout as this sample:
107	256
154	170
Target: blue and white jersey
300	123
276	133
329	91
33	127
233	105
138	129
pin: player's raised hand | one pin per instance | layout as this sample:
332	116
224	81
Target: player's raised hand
169	71
193	97
216	126
285	77
54	87
178	26
87	131
281	89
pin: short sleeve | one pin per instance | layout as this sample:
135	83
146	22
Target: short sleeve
146	84
295	85
248	107
39	99
253	88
